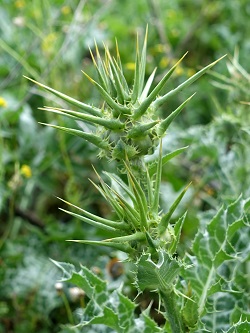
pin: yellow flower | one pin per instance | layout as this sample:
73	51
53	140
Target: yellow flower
158	48
19	3
3	102
190	72
164	62
65	10
130	66
26	171
179	71
48	43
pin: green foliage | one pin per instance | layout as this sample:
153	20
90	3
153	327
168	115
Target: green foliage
126	127
50	42
159	275
140	228
106	307
219	257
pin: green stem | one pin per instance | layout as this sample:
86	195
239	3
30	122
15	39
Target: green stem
172	312
67	307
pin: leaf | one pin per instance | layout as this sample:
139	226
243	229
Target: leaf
166	122
140	197
141	130
156	194
240	327
147	87
117	83
135	93
91	110
122	207
177	233
113	245
190	313
105	306
161	100
91	221
106	96
152	166
166	218
90	137
96	218
156	276
151	97
112	124
220	251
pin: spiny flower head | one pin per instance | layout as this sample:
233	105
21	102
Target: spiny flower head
126	126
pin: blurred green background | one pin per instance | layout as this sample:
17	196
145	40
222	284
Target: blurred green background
49	41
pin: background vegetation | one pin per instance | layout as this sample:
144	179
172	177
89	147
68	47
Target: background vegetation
49	41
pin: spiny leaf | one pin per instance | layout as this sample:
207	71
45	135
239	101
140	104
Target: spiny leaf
117	82
115	225
135	93
123	209
146	103
157	276
90	221
143	60
102	76
152	166
108	307
121	184
92	138
112	124
151	242
119	108
190	313
91	110
240	327
66	268
141	130
130	213
161	100
137	236
177	233
166	122
121	93
118	246
147	87
150	189
211	275
120	71
140	198
108	195
166	218
156	194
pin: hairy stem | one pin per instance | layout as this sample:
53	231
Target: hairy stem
172	312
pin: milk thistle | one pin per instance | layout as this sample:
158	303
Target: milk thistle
127	128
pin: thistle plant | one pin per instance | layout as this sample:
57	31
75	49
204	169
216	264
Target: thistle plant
126	129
